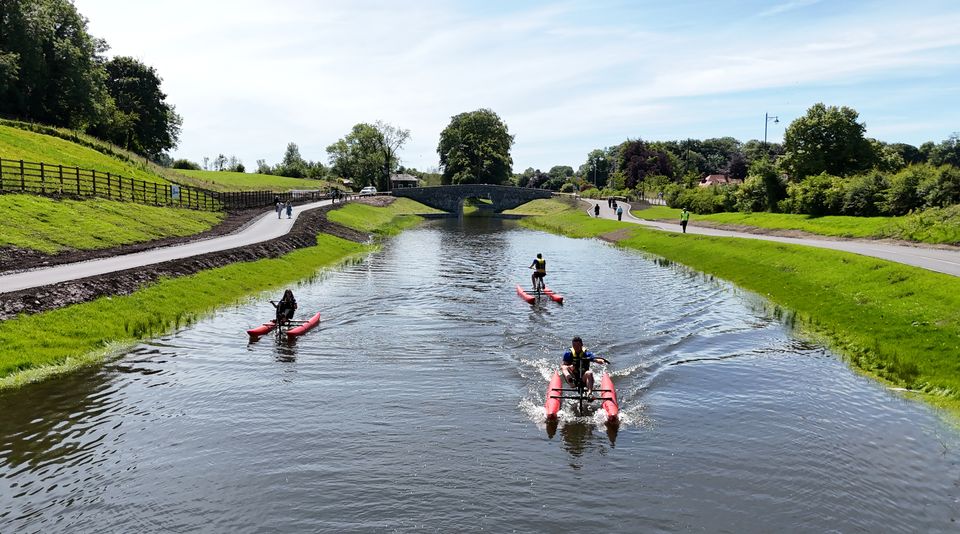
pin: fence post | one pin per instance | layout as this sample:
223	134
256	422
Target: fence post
23	185
94	173
156	196
1	174
77	169
43	183
110	188
61	178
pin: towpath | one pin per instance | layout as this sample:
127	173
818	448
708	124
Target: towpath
943	260
261	229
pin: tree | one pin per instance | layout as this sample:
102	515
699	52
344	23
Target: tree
827	139
154	125
359	156
637	160
50	67
293	164
475	149
390	141
598	166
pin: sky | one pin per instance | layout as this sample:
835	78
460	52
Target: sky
250	76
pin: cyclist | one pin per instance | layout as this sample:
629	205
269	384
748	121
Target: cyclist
576	365
539	267
286	306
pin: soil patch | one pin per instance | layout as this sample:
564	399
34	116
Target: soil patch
618	235
303	234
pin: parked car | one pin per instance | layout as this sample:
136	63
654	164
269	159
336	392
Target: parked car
367	191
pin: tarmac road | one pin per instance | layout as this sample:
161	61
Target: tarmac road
934	259
265	228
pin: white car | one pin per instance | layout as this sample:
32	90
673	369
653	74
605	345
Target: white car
367	191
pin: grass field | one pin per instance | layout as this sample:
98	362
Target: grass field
51	226
17	144
240	181
390	220
938	225
895	322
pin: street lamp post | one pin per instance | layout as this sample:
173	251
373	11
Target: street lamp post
766	120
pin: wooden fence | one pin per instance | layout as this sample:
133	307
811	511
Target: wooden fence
18	176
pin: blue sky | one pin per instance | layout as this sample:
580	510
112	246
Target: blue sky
566	77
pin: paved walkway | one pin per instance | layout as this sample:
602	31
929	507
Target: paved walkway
265	228
933	259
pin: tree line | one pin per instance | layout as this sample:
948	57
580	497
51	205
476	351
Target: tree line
54	72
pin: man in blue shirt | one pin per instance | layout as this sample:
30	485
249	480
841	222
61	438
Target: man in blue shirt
576	364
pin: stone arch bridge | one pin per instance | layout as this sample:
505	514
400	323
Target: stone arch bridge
450	197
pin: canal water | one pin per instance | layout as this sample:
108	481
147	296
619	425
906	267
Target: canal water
417	405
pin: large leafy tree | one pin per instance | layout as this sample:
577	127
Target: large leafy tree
638	160
153	126
598	166
390	140
359	155
475	149
827	139
50	68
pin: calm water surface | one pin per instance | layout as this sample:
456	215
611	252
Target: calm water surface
417	406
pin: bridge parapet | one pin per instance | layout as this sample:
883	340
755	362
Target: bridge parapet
450	198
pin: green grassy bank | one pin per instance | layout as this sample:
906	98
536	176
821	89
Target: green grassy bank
50	226
38	346
17	144
389	220
897	323
241	181
936	225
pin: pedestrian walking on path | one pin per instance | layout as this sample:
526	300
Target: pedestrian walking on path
279	209
596	210
684	218
289	209
619	213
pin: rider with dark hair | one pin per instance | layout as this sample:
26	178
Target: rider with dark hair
539	267
285	307
576	364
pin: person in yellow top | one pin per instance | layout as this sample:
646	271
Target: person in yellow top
539	267
576	364
684	218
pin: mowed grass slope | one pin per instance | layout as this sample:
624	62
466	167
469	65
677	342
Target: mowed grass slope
896	322
937	225
240	181
389	220
17	144
50	226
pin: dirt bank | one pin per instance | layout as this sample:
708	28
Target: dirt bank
304	234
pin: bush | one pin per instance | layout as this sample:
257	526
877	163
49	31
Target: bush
902	194
752	195
705	200
941	188
185	164
864	195
568	188
818	195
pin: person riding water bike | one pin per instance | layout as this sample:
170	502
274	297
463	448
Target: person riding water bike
286	306
539	267
576	365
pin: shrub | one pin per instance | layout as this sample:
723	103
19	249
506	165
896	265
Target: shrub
185	164
864	194
941	188
902	194
705	200
568	187
818	195
752	195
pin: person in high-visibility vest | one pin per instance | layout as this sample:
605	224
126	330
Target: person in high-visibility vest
539	267
684	217
576	364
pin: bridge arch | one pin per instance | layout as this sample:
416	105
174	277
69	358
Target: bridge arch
450	198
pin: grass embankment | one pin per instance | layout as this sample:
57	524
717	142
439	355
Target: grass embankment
389	220
19	144
936	226
541	206
38	346
240	181
898	323
51	226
